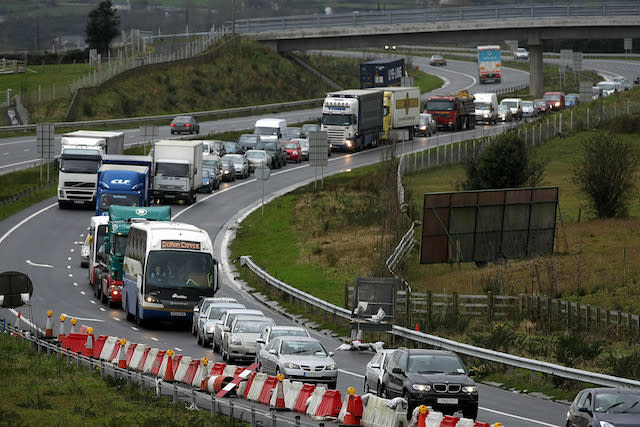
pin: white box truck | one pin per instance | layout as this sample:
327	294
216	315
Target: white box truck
178	170
80	157
401	112
486	107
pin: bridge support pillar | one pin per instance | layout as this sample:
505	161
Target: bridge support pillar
536	74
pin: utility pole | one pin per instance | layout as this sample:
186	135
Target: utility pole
233	17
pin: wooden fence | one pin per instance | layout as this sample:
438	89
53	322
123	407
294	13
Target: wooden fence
427	307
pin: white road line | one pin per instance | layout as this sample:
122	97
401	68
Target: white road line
68	267
75	283
116	319
21	223
529	420
89	319
68	258
19	163
92	301
38	265
70	275
351	373
102	309
155	339
83	292
178	349
71	250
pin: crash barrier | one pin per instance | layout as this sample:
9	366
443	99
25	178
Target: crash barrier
132	361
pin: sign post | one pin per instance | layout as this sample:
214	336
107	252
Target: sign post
318	152
262	174
149	134
45	137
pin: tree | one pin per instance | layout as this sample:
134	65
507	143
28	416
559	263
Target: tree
102	27
506	163
607	174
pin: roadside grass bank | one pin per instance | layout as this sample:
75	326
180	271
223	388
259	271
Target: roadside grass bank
40	389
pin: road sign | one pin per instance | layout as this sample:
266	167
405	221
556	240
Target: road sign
318	148
576	63
45	137
262	172
628	44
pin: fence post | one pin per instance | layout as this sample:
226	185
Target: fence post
490	306
455	303
587	323
346	296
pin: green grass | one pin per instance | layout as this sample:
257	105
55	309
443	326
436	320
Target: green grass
44	77
44	390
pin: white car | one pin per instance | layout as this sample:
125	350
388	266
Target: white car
521	54
206	325
271	332
375	370
607	88
200	309
226	319
240	337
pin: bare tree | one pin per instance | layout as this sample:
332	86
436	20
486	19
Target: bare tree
607	174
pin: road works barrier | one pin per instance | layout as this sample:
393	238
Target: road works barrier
313	403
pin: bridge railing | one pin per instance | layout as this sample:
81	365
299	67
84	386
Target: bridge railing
299	22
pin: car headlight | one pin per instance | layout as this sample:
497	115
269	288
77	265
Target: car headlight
331	367
469	389
236	340
421	387
290	365
211	329
606	424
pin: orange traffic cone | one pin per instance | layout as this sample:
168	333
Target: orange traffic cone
422	416
203	370
122	354
88	348
168	375
48	332
61	332
354	408
74	322
279	403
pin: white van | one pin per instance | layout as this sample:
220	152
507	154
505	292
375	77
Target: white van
270	129
486	107
515	105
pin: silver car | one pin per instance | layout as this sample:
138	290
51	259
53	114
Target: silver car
200	309
226	319
206	327
375	370
240	164
84	252
240	337
271	332
257	157
299	358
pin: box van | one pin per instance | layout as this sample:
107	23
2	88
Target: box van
515	105
486	107
270	129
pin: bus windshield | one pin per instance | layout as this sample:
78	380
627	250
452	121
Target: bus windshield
179	269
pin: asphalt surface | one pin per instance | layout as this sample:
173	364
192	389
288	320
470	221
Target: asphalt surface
44	242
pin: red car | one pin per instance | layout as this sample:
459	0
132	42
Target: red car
294	151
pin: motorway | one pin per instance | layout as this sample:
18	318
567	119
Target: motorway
44	242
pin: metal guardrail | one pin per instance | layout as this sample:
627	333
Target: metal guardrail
460	348
431	15
144	119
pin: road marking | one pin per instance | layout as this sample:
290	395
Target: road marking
75	284
102	308
38	265
83	292
71	250
178	349
351	373
68	258
116	319
19	163
21	223
92	301
70	275
88	319
155	339
68	267
529	420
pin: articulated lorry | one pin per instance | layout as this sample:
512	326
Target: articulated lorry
401	112
123	180
381	72
455	112
489	67
108	286
353	118
178	170
80	158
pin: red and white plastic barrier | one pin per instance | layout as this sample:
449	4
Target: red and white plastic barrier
256	386
315	399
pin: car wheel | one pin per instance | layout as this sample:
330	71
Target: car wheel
215	346
405	396
224	355
471	413
198	131
383	392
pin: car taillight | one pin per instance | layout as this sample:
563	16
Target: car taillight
187	124
172	125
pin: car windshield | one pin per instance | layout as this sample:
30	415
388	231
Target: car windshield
215	313
527	105
227	161
337	119
288	332
606	86
118	244
232	147
429	363
539	103
552	97
621	403
303	348
267	146
503	108
181	120
79	166
250	326
509	104
266	131
303	143
440	105
256	155
481	106
290	145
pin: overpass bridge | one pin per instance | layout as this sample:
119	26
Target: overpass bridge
532	24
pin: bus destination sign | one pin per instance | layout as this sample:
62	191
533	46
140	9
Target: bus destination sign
180	244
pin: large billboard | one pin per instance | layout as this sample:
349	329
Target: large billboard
487	225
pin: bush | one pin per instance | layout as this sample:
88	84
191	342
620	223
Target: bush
572	348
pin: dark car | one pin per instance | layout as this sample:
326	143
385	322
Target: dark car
435	378
187	124
228	169
437	60
308	128
208	181
275	150
248	141
605	406
541	106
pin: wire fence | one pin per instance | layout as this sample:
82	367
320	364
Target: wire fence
28	194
